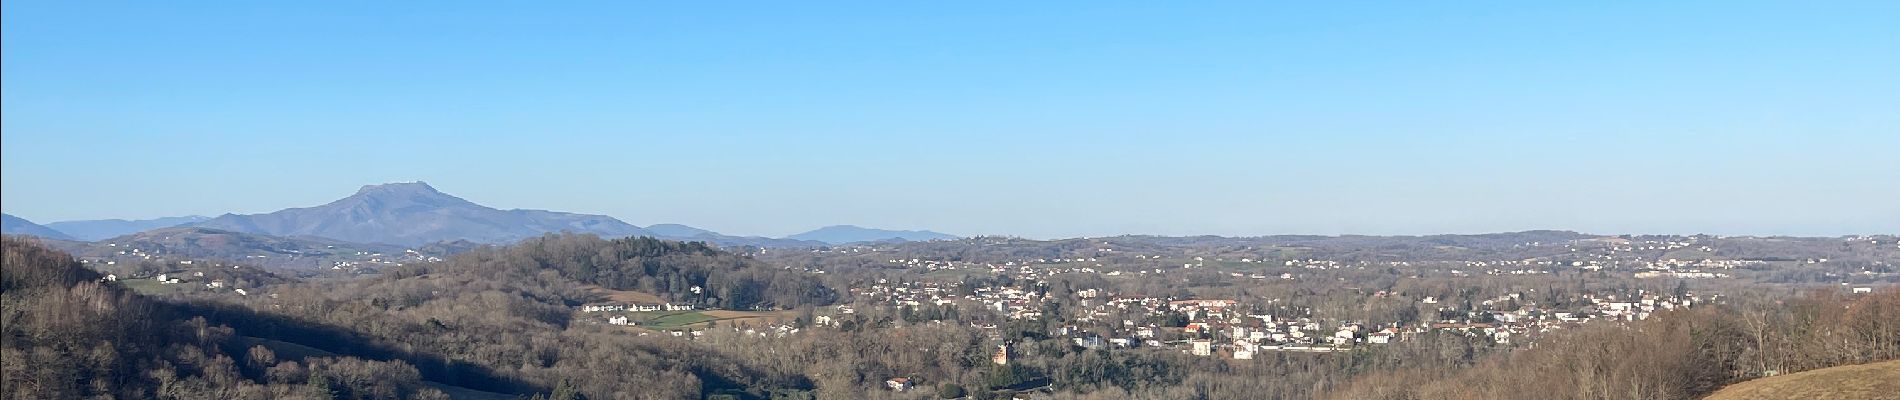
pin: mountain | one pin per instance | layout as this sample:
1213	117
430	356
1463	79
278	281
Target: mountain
413	214
448	248
753	241
91	230
677	230
690	234
841	234
12	225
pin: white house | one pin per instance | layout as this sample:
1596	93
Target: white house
602	307
1202	347
1382	337
1343	336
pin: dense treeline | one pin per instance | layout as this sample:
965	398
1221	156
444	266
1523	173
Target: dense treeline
498	319
64	333
667	268
495	319
1676	355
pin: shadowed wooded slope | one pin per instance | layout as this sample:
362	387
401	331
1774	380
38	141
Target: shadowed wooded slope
1681	354
68	335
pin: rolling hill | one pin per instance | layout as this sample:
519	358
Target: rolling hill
90	230
739	241
196	243
12	225
691	234
72	334
841	234
677	230
1849	382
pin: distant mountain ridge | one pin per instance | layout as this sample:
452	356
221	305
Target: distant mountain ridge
753	241
842	234
413	214
94	230
12	225
677	230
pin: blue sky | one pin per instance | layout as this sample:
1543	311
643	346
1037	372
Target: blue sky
1040	120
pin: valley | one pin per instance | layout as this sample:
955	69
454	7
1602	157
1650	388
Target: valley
1226	200
475	315
1001	317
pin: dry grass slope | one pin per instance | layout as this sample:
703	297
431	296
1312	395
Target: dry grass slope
752	319
1851	382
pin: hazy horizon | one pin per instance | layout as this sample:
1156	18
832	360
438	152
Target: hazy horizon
1031	120
802	230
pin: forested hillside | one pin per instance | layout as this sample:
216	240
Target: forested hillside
1677	355
667	268
494	320
497	319
67	335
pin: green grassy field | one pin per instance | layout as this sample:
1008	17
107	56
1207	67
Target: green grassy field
286	349
669	319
